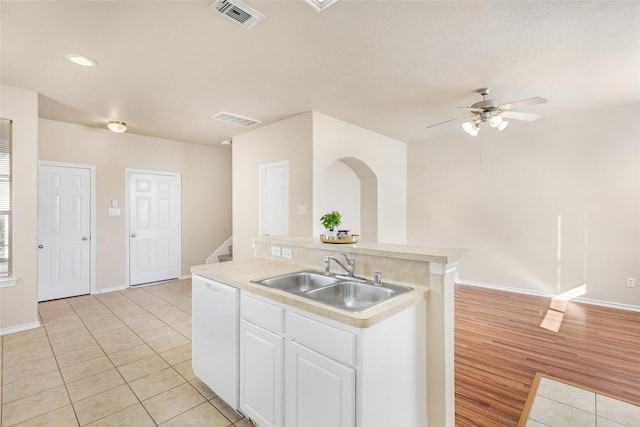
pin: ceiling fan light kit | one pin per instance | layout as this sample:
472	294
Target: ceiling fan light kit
494	113
471	128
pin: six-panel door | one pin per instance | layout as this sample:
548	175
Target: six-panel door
154	232
64	227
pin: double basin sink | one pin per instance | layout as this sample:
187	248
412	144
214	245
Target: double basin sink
344	292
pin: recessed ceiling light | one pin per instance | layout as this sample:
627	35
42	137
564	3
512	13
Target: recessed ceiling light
85	61
116	126
321	5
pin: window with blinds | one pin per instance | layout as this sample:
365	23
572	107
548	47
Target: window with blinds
5	197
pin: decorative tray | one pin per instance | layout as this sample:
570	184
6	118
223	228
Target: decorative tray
340	239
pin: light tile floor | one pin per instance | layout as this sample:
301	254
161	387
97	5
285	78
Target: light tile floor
114	359
557	404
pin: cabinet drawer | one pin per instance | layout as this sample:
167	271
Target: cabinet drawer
338	344
269	316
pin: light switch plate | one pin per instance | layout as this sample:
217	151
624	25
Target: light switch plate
275	250
114	211
287	253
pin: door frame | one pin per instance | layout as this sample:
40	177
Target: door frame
128	171
262	193
92	214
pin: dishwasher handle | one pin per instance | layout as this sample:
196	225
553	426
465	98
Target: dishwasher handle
217	288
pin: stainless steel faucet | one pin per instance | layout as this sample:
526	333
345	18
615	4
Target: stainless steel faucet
350	268
377	278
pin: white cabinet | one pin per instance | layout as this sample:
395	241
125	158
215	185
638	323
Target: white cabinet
298	369
262	361
261	377
320	391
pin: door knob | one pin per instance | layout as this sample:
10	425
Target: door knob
85	238
40	246
134	235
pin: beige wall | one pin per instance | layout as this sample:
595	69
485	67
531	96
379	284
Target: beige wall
335	139
288	139
205	178
543	207
18	304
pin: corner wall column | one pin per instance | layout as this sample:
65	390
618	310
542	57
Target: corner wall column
440	345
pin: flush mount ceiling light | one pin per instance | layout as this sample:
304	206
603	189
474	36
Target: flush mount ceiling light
321	5
117	126
85	61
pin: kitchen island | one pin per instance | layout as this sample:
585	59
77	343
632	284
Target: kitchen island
385	346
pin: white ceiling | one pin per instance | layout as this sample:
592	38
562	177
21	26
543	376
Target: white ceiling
393	67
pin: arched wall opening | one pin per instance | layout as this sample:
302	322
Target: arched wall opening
351	187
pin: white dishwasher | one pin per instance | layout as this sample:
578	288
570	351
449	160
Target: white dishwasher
215	337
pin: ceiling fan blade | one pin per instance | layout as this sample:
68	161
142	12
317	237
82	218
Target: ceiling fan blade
527	117
452	120
522	103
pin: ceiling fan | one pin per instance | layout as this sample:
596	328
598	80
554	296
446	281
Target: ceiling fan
494	113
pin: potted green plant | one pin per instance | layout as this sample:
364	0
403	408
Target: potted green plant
330	222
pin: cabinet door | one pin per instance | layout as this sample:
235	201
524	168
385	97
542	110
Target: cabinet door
320	391
261	377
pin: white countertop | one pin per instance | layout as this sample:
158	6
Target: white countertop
240	273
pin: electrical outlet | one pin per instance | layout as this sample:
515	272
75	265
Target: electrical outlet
631	282
275	250
286	253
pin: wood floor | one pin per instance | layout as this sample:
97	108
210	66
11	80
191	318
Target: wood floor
500	346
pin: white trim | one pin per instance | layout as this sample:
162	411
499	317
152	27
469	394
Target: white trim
548	295
8	282
186	276
144	285
221	250
178	176
111	289
19	328
442	269
92	241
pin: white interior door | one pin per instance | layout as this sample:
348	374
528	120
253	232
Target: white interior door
64	232
154	227
274	199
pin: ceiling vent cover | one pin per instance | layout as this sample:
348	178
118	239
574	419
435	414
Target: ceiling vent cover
238	12
235	119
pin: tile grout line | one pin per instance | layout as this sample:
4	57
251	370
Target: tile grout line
164	296
114	366
46	332
155	352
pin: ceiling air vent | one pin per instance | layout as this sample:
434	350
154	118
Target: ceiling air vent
235	119
238	12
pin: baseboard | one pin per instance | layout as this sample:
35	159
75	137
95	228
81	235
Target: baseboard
19	328
112	289
186	276
548	295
